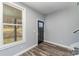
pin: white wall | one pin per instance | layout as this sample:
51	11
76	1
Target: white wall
59	26
31	33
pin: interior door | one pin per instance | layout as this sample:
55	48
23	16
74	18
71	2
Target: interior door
40	31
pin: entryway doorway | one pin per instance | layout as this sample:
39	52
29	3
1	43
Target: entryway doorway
40	31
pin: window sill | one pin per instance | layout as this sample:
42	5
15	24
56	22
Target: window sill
6	46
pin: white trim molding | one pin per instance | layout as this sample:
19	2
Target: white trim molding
61	45
27	49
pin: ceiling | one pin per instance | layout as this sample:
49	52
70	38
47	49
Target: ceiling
48	7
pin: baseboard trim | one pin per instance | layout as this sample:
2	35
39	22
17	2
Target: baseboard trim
25	50
64	46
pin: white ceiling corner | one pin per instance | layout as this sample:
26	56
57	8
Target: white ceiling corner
48	7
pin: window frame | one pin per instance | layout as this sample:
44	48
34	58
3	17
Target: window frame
2	45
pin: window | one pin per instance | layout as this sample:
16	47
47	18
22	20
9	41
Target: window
12	24
12	28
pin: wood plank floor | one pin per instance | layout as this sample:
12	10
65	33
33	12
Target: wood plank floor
47	49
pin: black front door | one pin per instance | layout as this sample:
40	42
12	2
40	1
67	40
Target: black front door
40	31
